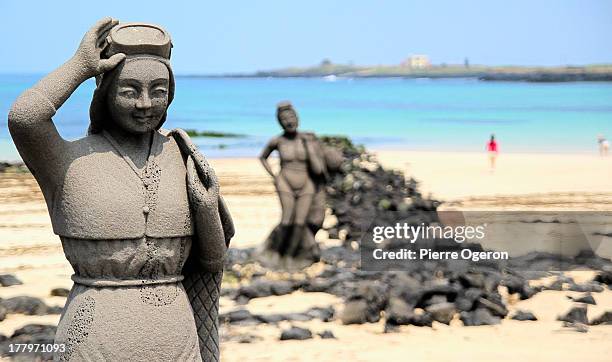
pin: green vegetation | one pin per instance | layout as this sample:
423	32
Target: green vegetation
341	142
212	134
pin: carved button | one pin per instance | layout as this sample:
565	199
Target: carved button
145	209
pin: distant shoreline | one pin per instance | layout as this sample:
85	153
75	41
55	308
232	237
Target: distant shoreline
588	73
535	78
540	76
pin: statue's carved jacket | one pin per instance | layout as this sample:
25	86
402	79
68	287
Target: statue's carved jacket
101	196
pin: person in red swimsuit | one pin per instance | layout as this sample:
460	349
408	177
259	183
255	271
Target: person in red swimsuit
493	150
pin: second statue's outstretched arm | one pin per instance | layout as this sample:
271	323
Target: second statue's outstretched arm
29	120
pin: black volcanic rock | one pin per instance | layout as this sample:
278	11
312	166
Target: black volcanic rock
586	299
27	305
398	312
604	319
592	287
241	315
575	315
60	292
604	277
521	315
264	288
479	317
318	285
325	314
442	312
296	333
365	303
517	284
356	312
422	320
494	304
327	334
7	280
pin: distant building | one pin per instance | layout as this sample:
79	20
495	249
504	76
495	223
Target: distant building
417	61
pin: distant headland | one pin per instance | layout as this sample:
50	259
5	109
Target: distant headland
418	66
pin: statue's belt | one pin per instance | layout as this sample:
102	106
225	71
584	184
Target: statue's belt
98	282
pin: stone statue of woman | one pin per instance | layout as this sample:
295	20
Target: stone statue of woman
300	185
137	208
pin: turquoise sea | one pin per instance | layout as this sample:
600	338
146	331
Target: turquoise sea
419	114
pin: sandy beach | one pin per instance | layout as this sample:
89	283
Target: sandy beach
520	180
461	180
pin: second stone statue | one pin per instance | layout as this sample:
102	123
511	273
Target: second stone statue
304	169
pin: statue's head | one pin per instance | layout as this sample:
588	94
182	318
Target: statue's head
287	117
134	95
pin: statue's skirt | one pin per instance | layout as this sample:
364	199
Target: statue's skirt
128	302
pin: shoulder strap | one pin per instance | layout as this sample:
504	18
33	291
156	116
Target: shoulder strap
204	288
188	149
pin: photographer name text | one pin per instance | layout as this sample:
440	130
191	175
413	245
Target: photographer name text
428	254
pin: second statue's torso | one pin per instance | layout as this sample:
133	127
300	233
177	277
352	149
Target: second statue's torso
100	196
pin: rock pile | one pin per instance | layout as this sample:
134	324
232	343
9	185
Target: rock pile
363	192
434	292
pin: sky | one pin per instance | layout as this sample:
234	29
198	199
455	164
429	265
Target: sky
214	37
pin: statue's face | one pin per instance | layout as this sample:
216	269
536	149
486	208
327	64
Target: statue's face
289	121
139	98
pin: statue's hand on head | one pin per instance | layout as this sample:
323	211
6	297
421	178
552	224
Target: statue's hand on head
88	55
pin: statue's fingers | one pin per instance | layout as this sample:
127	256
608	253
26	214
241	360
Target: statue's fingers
102	39
103	33
110	63
100	24
106	28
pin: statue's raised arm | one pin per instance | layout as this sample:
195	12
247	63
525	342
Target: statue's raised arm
29	120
